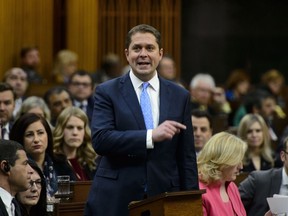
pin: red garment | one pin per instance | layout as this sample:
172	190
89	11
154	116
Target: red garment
78	170
214	206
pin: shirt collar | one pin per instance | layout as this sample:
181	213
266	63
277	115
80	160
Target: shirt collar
284	177
78	103
6	197
136	82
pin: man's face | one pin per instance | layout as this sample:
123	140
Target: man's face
202	132
7	105
20	173
18	80
81	87
143	55
32	58
58	102
202	93
268	107
167	69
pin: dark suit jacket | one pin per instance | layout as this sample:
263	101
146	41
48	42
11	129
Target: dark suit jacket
257	187
3	211
126	167
90	107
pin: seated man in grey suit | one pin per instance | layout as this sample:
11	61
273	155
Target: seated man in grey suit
262	184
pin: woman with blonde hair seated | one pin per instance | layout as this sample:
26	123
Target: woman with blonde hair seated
66	63
219	163
253	129
72	138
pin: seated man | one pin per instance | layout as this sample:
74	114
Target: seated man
206	96
17	78
262	184
202	128
15	175
57	99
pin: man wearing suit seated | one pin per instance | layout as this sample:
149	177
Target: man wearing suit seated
15	176
145	150
262	184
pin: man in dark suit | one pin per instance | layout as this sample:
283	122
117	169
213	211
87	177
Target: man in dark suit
15	176
81	87
262	184
138	160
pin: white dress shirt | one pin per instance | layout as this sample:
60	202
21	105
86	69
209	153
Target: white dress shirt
284	184
7	200
153	92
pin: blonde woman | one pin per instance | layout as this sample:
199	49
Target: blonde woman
254	131
219	162
72	138
66	63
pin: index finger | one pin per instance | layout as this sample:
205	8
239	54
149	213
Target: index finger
178	125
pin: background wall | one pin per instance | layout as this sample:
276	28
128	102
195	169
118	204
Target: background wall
25	23
222	35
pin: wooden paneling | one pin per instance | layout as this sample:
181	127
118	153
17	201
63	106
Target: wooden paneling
25	23
82	31
117	17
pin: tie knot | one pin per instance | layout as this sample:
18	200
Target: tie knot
145	85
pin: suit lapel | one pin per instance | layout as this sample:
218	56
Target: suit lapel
130	97
165	95
276	182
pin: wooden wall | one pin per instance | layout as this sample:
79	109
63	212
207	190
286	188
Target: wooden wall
116	17
82	31
91	28
25	23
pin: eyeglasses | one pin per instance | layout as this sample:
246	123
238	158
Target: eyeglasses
78	84
37	183
284	151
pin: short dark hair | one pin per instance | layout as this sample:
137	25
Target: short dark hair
255	99
55	90
202	114
7	87
26	50
22	123
80	73
8	151
143	28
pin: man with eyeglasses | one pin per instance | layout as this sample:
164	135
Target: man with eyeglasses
81	87
262	184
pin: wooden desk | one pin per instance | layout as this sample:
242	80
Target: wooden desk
75	206
184	203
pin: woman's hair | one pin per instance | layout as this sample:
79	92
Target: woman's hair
19	127
245	125
271	76
221	151
34	102
85	153
235	77
40	207
63	58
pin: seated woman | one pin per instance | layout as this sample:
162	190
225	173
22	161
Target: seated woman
253	129
72	138
33	201
219	162
34	132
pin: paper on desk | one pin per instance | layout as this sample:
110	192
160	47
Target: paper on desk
278	204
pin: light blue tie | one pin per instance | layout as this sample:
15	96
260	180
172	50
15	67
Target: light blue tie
146	106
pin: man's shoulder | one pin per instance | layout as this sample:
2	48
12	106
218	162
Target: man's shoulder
175	87
262	174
